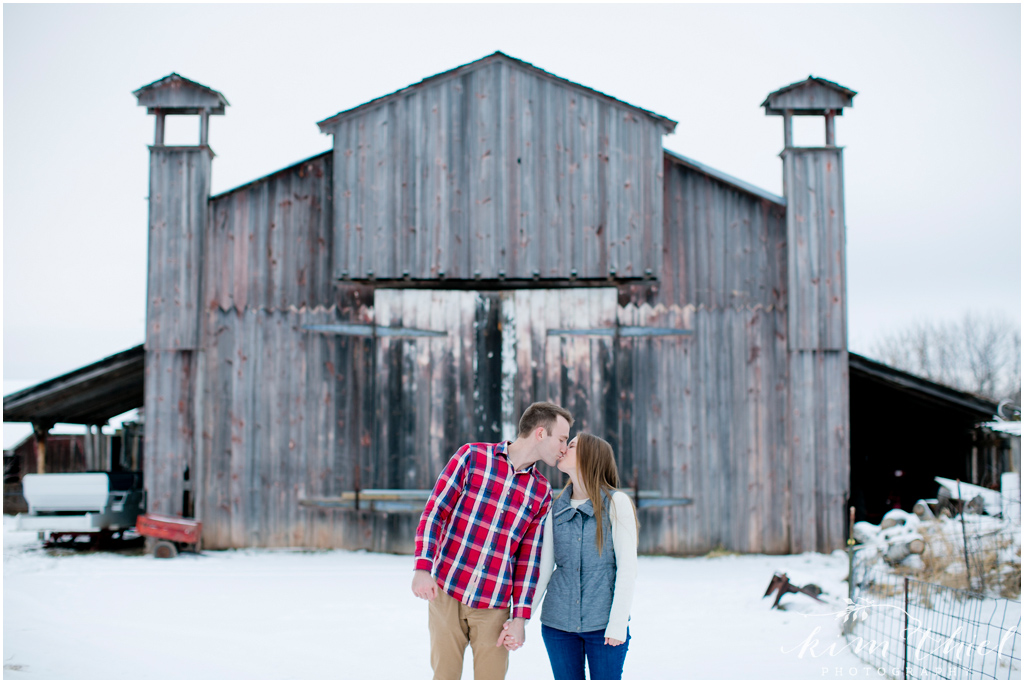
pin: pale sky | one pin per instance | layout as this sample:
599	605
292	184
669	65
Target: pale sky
933	144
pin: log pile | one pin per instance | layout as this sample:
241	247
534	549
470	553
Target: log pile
897	538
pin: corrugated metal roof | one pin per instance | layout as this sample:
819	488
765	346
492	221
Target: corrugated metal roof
725	178
89	395
668	123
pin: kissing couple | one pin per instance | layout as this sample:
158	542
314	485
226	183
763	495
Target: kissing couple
492	543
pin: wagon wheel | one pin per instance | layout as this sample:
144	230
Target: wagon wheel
164	550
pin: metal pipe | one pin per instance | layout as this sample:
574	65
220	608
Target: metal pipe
906	624
787	128
830	128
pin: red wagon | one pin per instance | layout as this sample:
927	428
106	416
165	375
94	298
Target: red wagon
175	533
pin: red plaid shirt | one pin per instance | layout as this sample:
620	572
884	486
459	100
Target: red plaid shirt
480	534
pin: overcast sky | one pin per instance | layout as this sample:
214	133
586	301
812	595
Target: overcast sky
933	146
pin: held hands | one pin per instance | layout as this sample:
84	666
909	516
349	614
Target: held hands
513	634
423	585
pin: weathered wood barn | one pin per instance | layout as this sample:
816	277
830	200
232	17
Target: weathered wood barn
320	340
491	236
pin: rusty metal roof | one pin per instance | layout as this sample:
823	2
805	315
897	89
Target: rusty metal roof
89	395
668	123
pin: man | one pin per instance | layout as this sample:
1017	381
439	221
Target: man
478	544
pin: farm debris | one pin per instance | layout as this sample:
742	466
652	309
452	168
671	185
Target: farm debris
780	582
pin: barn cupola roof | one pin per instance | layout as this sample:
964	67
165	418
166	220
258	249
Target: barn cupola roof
812	96
176	95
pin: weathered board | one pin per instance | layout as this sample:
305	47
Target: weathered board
179	184
816	248
497	171
270	242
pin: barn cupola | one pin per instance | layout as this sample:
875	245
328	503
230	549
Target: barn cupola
810	97
175	95
819	403
179	191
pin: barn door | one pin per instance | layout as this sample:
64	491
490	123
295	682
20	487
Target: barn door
436	382
459	366
560	358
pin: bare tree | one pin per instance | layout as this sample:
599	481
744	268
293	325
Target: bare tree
977	353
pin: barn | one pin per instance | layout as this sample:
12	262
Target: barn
319	341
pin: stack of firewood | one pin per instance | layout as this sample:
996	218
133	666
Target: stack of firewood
896	539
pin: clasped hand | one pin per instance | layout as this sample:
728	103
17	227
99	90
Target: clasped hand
513	634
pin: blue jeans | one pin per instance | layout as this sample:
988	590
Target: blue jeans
567	652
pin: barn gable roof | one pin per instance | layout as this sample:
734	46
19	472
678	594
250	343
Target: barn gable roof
181	95
329	123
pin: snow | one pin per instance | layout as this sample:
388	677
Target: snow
1003	426
992	499
338	614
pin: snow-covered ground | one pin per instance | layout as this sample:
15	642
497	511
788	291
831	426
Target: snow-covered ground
351	615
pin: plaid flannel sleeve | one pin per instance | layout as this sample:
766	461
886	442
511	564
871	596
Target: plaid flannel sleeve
439	508
527	563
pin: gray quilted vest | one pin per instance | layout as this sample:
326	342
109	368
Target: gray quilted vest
579	596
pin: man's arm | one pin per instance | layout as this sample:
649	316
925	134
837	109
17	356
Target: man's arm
439	508
526	563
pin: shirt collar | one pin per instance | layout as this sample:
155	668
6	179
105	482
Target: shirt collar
502	449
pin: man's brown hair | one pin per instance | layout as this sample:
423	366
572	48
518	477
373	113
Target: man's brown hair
542	414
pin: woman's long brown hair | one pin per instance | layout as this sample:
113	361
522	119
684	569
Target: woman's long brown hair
595	466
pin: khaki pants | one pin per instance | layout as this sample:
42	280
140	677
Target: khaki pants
452	626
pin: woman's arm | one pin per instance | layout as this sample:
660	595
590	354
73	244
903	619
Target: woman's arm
624	543
547	562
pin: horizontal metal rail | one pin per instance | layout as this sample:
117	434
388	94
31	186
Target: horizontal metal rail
413	500
362	330
622	331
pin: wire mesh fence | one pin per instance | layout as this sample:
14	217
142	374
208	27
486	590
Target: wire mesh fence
915	629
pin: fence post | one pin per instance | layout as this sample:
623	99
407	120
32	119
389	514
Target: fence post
963	527
906	624
848	624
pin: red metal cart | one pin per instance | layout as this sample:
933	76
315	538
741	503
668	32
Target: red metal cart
174	533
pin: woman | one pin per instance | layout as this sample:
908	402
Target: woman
588	566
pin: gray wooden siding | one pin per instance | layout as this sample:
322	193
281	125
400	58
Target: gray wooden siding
270	242
819	439
724	248
179	183
169	437
279	402
705	418
816	246
497	172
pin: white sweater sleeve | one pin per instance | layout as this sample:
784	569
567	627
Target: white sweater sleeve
547	565
624	542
